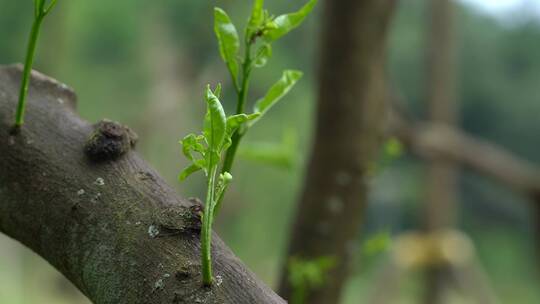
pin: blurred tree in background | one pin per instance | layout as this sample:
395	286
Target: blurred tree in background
145	64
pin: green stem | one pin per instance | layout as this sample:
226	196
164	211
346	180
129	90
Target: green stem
235	82
206	232
231	151
212	203
246	72
237	136
240	107
34	35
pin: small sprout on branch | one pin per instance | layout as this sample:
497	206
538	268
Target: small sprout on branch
222	134
205	152
41	10
269	28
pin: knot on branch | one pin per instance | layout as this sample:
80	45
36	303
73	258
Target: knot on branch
177	219
109	141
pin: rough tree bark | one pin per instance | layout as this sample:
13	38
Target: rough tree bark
111	226
352	91
441	177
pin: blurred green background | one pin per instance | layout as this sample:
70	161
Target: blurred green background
145	64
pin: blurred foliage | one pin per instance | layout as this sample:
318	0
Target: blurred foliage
377	243
391	150
307	274
146	63
282	154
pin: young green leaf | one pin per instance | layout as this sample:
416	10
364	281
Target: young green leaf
263	54
188	171
235	121
215	125
192	143
283	24
228	40
277	91
256	19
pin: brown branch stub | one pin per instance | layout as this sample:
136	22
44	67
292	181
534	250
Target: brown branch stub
109	141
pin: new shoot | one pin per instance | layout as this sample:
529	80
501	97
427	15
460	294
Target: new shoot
217	146
41	10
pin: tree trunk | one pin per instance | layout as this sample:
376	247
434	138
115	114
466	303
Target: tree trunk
442	104
441	179
79	197
348	133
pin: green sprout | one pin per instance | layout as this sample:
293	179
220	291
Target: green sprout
222	134
261	25
209	146
41	10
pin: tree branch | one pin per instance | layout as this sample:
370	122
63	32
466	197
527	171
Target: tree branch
110	224
437	141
